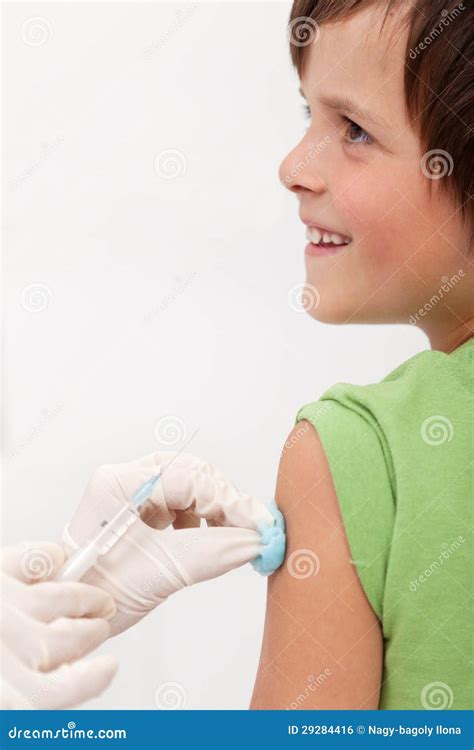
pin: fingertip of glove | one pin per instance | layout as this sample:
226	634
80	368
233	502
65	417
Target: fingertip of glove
105	664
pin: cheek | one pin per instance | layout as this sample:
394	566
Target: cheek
367	210
390	221
399	253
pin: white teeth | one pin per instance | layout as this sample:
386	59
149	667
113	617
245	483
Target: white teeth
313	234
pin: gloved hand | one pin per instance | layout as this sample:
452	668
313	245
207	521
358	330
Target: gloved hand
45	629
153	559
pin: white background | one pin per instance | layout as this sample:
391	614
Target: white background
86	214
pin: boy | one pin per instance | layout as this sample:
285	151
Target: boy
374	606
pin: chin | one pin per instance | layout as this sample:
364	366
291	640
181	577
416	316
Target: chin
343	315
343	305
327	304
329	314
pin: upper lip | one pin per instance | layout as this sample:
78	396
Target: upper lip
323	229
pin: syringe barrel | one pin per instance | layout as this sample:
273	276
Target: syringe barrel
86	556
112	531
79	563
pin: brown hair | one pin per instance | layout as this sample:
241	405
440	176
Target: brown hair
439	80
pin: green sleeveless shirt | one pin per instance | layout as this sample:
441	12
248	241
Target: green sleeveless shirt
401	454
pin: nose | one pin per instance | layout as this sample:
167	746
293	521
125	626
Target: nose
299	170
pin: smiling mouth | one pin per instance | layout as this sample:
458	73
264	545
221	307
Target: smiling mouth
326	239
324	243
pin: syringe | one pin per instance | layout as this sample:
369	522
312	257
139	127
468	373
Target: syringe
110	532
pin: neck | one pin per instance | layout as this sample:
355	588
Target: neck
449	337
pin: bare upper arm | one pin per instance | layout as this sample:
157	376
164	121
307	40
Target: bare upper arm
322	644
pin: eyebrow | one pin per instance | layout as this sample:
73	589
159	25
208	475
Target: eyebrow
348	105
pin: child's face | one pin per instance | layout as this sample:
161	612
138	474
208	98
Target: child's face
366	181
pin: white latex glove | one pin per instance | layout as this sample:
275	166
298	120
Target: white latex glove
45	629
153	559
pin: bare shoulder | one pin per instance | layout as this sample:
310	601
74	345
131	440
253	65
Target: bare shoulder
322	644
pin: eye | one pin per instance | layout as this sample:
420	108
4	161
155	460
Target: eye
356	132
357	135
